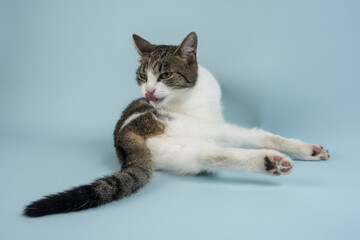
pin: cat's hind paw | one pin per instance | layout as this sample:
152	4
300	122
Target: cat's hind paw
319	153
278	165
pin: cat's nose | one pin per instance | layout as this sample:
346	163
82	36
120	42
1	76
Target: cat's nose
149	90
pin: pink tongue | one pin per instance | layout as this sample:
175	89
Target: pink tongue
151	97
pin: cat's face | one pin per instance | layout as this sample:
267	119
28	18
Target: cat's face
166	73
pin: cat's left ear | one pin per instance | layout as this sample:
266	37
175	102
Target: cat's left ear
187	49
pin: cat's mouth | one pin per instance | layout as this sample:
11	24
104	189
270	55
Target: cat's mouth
151	97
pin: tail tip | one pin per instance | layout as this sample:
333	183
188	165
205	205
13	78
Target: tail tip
33	211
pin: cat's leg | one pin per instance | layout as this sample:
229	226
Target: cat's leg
257	138
178	155
251	160
298	149
185	155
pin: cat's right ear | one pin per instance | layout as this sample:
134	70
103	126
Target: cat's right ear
142	45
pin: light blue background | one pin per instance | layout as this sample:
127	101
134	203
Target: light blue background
290	67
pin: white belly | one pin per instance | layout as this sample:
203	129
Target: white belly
178	148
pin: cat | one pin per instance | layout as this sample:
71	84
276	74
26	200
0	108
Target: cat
177	127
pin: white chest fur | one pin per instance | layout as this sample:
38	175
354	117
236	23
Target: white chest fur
202	102
188	127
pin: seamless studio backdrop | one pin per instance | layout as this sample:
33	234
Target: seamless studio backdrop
67	70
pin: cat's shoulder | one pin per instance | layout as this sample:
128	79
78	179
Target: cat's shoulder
140	117
137	106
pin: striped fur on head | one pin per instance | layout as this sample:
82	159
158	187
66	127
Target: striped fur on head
180	61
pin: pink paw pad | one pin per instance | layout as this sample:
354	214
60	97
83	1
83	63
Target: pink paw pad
277	165
285	164
316	151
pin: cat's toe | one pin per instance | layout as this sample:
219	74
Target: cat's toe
278	165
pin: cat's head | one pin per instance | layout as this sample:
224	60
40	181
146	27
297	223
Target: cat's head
166	73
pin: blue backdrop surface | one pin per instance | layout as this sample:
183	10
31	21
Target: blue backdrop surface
290	67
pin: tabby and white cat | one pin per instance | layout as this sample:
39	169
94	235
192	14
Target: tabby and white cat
177	127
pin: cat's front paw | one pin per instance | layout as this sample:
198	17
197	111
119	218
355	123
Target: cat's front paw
316	152
277	165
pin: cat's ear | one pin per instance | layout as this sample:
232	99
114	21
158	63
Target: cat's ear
187	48
142	45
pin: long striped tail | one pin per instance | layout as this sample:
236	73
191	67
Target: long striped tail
130	143
104	190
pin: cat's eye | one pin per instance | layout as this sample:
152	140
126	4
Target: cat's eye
143	76
165	75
